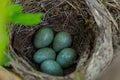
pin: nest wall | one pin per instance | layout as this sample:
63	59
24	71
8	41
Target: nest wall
59	16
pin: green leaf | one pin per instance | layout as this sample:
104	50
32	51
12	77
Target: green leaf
3	30
27	18
3	43
14	9
6	58
16	15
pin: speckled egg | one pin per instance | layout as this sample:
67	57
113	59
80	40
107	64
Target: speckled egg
44	54
51	67
43	37
62	40
66	57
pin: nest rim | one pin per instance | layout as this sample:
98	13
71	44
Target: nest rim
15	55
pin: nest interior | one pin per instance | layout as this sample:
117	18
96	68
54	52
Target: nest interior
59	18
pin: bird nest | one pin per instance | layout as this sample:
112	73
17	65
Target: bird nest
74	17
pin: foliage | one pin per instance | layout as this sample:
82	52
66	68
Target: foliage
13	13
16	15
3	31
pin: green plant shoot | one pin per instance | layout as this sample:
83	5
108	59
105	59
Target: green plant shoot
3	30
17	16
13	13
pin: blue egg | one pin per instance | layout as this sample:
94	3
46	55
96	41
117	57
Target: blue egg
62	40
44	54
43	37
66	57
51	67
